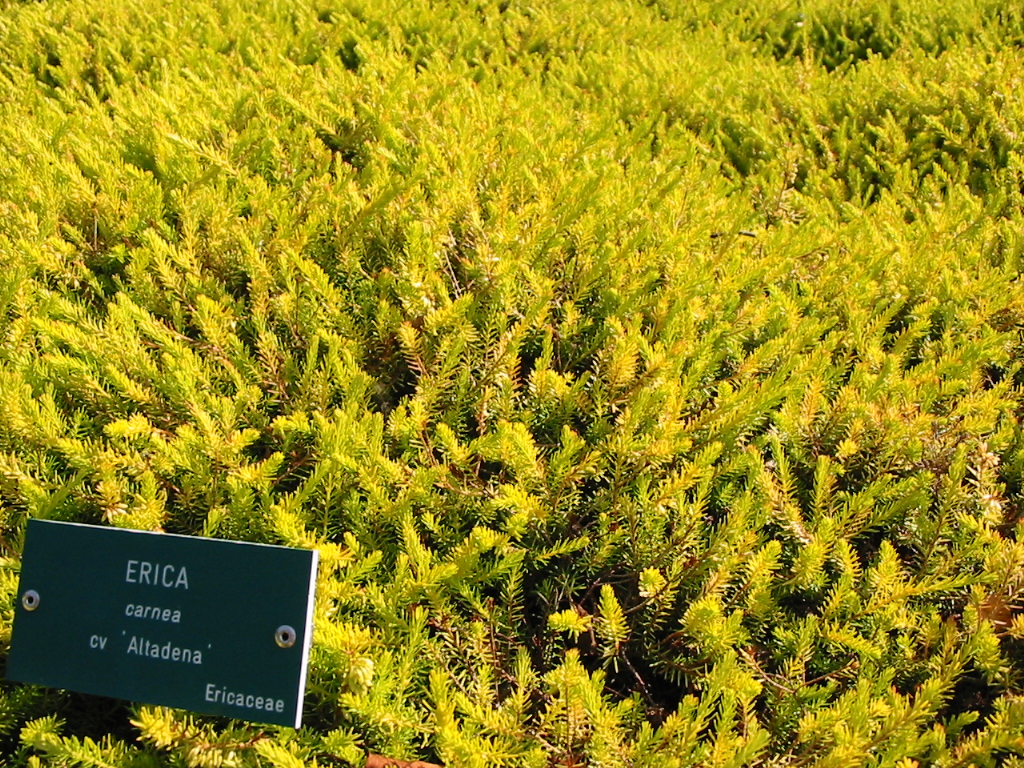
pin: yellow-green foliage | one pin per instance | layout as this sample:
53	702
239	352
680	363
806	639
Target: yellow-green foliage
647	373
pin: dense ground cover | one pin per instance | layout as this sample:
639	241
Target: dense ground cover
647	373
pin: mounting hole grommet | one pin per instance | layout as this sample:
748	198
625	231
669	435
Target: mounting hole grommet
285	636
30	600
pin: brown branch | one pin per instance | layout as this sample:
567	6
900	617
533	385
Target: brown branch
379	761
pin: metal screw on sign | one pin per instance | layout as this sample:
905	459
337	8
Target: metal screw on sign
285	636
30	600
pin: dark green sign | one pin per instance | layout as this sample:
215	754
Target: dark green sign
218	627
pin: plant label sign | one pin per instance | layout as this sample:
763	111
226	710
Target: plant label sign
216	627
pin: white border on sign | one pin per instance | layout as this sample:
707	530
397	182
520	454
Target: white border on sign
308	636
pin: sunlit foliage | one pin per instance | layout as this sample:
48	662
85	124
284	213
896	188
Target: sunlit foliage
648	374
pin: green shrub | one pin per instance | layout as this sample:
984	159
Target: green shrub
647	374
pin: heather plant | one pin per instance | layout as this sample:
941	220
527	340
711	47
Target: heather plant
647	374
